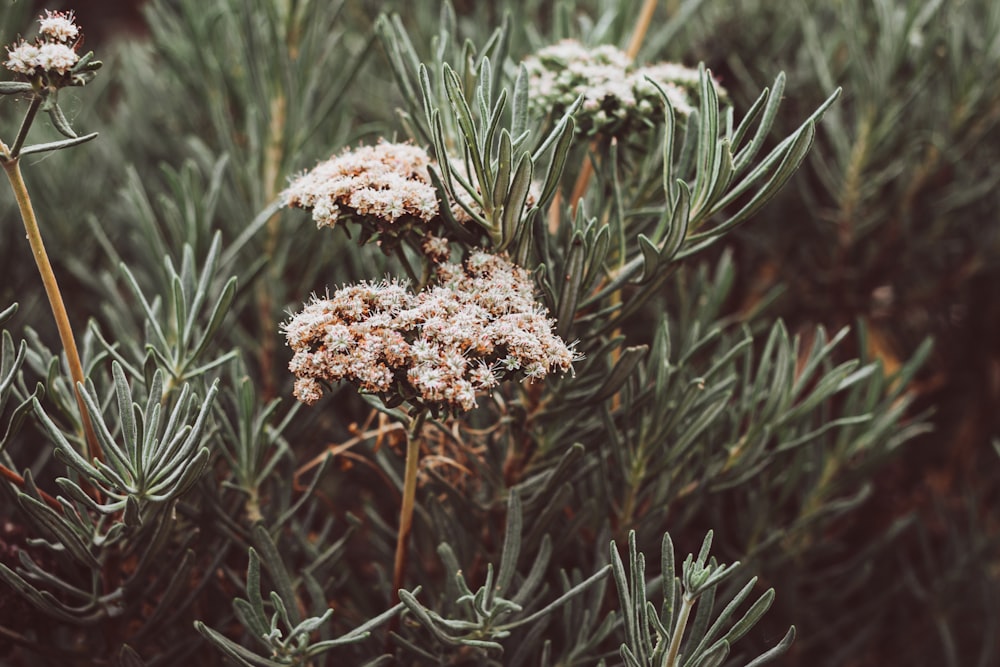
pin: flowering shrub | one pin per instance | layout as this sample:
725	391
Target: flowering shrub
552	363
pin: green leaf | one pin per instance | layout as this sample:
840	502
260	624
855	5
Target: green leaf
60	122
10	364
86	64
494	124
72	457
57	145
271	558
770	101
463	114
572	278
501	182
714	656
511	545
776	154
620	373
561	600
519	120
668	582
669	135
42	600
594	265
741	627
750	618
254	616
564	132
780	649
536	574
59	528
706	160
218	314
650	259
242	656
15	87
679	221
513	206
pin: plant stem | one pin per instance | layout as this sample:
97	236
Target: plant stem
273	156
22	132
641	26
582	181
409	498
673	651
13	169
638	35
12	476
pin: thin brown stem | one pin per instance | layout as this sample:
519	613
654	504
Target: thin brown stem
22	132
638	35
555	213
582	181
12	476
273	156
409	500
12	167
641	27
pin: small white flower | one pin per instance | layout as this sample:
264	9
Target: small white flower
482	376
436	248
57	57
58	26
534	371
510	363
324	212
22	59
308	390
424	352
339	338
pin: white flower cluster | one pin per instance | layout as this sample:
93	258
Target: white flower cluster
386	182
53	51
618	97
476	325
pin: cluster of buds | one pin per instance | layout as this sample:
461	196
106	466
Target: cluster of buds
52	60
385	188
475	326
619	98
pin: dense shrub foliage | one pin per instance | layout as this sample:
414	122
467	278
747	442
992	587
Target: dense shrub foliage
569	333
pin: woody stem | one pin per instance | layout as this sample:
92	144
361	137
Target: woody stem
12	167
409	500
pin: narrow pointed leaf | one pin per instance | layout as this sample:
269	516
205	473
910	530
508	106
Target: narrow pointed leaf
650	259
623	368
60	122
780	649
514	204
511	543
57	145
